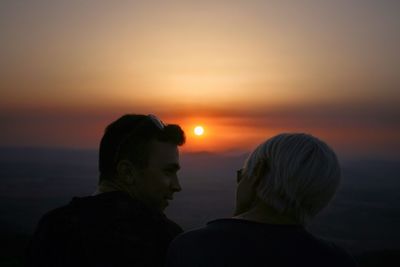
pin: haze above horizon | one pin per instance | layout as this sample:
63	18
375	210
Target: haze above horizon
243	70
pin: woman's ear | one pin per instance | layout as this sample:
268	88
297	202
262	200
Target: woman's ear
126	172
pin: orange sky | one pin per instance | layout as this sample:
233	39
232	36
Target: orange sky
245	71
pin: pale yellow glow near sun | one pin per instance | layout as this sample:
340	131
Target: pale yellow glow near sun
198	130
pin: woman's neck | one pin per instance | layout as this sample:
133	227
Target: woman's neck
263	213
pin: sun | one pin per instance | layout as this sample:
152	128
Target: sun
198	130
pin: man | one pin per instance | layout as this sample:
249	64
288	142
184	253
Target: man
285	182
123	223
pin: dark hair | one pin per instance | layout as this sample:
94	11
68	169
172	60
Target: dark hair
128	138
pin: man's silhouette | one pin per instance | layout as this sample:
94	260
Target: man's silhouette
123	223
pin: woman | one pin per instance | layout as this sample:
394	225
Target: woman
285	182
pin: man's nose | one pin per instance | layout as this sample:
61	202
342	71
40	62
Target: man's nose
175	185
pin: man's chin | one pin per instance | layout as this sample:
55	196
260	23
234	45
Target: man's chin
164	204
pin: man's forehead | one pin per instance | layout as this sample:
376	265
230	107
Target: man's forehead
162	153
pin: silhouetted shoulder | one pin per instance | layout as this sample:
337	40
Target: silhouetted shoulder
232	242
109	229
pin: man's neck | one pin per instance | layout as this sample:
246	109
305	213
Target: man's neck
110	186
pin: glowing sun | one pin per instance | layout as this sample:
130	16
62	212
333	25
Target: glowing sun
198	130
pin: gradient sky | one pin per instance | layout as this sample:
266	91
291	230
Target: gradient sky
245	70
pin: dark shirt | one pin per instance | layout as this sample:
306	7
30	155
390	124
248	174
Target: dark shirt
233	242
109	229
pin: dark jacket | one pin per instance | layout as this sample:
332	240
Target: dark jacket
239	243
109	229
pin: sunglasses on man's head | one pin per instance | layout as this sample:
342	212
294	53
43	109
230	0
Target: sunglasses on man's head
160	125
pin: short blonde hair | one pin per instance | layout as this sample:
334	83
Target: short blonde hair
300	174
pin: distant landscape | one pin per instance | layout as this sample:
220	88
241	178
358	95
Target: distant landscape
364	217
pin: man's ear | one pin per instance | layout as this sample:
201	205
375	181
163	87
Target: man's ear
126	171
